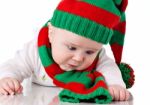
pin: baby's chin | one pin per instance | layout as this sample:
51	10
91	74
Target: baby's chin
66	68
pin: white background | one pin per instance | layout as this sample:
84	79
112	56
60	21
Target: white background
20	21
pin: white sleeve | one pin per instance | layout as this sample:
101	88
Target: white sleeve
110	70
23	63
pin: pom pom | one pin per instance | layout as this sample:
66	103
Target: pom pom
127	74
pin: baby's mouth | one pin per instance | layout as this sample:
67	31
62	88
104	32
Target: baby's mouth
72	66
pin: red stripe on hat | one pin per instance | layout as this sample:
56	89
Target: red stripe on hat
43	37
93	13
123	5
121	27
117	52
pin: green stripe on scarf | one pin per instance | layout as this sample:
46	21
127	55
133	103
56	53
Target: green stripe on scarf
79	86
46	61
99	96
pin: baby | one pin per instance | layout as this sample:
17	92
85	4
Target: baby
76	32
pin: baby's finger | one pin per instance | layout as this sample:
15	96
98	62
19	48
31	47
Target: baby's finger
20	89
127	95
16	85
11	85
116	94
7	89
122	93
3	92
111	93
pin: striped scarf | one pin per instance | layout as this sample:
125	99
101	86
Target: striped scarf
78	86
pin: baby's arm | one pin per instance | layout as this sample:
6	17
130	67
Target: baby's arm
113	77
13	71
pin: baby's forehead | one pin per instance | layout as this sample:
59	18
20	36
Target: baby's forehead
74	39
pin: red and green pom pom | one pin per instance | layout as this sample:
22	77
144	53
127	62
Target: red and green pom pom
127	74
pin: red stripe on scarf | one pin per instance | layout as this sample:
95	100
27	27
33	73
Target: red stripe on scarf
80	88
53	70
43	37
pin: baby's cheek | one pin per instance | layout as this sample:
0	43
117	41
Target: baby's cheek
85	65
56	55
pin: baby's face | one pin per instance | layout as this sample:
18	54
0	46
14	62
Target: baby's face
71	51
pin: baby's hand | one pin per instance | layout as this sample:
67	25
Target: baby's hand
10	86
118	93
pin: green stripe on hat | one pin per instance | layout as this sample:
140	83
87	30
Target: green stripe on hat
81	26
117	38
105	4
123	17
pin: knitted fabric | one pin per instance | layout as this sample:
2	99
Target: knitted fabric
79	86
102	21
93	19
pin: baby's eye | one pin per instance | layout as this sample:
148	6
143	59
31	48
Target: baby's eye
90	52
72	48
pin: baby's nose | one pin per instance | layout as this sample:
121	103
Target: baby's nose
78	57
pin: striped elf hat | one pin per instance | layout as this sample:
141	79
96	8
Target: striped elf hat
102	21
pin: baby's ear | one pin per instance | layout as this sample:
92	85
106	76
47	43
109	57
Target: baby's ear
50	28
